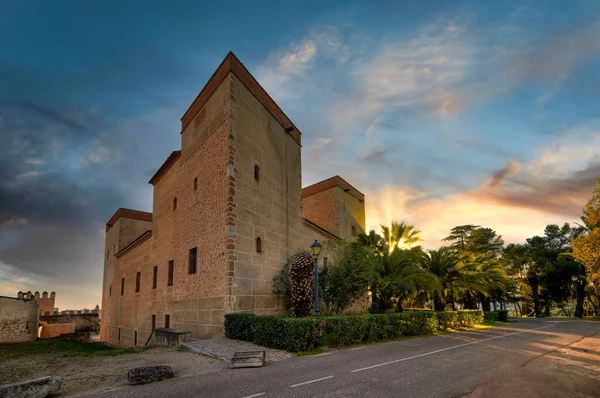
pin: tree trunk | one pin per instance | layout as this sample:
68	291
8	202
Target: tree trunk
438	304
486	304
470	301
533	282
399	306
494	305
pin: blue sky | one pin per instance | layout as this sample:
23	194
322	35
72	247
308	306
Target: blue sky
442	113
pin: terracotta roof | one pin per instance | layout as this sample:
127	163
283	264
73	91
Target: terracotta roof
162	170
128	213
322	230
231	64
332	182
134	243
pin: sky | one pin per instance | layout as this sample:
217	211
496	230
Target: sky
442	113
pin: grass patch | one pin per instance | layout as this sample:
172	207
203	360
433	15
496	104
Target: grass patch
61	349
314	351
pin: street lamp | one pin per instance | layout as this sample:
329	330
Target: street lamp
450	269
577	280
316	250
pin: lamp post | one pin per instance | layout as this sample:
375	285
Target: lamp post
577	280
450	269
316	250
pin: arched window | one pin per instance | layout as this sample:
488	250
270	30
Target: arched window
175	203
258	244
195	184
257	173
353	230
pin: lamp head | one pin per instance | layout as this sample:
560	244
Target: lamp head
316	248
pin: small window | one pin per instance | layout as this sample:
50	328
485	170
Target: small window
153	324
167	321
175	203
195	184
192	260
119	338
257	173
122	286
138	276
259	245
110	291
135	337
170	275
353	230
154	276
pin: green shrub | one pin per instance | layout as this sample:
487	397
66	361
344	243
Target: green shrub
290	334
490	316
347	330
238	325
464	318
502	315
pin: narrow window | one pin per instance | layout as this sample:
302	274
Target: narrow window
175	203
135	337
110	291
325	261
153	322
137	281
122	286
167	321
258	245
353	230
154	276
195	184
119	338
170	275
257	173
192	260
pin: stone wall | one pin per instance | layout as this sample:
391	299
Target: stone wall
18	320
265	206
50	331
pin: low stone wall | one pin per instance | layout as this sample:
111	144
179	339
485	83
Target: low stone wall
56	329
83	322
18	320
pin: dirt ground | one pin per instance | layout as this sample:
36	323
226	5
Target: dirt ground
93	367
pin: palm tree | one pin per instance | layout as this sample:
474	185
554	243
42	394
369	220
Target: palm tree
477	275
400	234
437	262
397	275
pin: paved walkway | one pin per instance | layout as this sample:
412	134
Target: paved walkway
224	349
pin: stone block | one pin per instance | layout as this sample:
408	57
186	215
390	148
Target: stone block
245	303
149	374
37	388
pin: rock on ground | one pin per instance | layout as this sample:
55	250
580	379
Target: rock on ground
38	388
149	374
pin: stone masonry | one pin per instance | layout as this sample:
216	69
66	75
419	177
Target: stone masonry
227	212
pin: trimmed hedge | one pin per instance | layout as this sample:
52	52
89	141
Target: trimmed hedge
502	315
291	334
347	330
238	325
302	334
490	316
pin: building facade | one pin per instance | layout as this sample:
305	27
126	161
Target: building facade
228	209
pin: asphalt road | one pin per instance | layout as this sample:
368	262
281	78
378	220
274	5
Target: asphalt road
531	358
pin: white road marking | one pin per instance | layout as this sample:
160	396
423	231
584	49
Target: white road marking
255	395
449	348
311	381
357	348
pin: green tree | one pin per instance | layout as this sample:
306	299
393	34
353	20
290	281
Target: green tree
437	262
345	277
586	246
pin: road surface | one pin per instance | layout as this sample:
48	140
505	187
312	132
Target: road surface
531	358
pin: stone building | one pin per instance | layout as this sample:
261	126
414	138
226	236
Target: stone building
45	302
228	209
